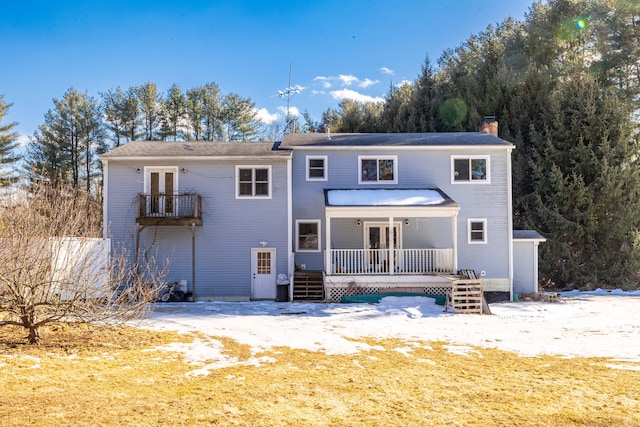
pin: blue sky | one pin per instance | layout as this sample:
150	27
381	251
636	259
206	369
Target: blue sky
336	48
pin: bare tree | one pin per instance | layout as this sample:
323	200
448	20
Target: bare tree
55	268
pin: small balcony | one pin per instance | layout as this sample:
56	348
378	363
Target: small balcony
169	209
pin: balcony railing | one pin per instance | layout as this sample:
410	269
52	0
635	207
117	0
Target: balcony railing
154	208
405	261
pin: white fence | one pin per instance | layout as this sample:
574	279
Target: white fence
80	264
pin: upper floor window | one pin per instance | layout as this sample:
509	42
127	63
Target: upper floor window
477	230
378	170
316	168
253	182
470	169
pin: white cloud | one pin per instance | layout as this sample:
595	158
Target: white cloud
23	139
325	81
347	80
386	70
265	117
294	111
368	82
356	96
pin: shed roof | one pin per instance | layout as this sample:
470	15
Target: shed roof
293	140
527	235
138	149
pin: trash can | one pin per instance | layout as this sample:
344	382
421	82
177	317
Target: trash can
282	288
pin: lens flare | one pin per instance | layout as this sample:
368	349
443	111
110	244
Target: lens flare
573	28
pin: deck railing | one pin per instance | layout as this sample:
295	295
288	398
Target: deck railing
182	205
405	261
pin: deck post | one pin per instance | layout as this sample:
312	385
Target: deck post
193	261
454	231
391	247
327	244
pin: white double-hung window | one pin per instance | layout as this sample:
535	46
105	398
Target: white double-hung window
316	168
477	229
253	182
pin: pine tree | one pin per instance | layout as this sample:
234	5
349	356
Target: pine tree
65	145
149	101
8	145
174	110
587	188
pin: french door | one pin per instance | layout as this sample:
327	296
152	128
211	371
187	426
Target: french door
377	240
161	186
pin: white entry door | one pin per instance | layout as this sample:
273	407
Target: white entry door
263	273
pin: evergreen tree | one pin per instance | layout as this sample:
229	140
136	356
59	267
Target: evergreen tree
65	145
396	110
8	145
204	112
149	102
239	117
120	114
174	109
423	111
587	188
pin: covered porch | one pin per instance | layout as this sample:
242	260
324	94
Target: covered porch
386	239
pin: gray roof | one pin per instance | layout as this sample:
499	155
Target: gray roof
391	139
527	235
194	149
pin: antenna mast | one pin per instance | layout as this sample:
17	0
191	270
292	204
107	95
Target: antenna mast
286	93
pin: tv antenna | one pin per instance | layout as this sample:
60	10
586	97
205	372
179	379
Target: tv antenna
286	94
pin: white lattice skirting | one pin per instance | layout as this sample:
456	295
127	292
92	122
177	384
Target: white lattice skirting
335	294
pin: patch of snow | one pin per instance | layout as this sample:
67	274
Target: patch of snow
586	324
381	197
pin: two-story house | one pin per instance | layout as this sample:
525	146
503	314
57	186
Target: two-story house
340	214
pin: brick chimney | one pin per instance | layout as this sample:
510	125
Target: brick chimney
489	125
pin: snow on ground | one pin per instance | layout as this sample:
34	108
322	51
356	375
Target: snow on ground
586	324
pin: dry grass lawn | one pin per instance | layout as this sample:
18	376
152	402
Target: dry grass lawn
103	377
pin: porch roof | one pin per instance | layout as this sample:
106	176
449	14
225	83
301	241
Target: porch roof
418	202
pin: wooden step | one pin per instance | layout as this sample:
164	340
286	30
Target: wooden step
308	286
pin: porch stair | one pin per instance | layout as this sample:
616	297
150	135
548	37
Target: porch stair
308	286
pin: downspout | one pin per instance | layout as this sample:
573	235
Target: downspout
290	255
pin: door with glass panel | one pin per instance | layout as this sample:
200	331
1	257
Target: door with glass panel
161	189
377	241
263	273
